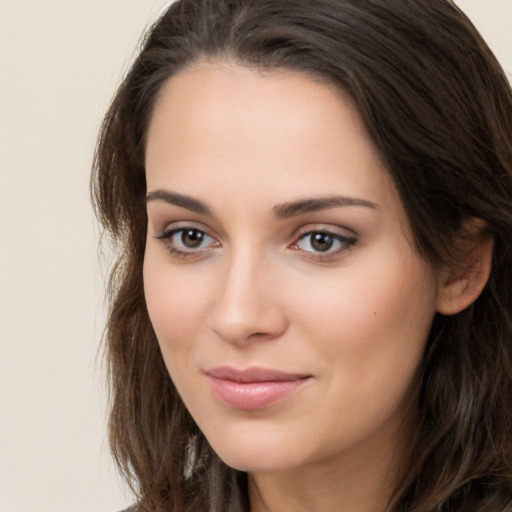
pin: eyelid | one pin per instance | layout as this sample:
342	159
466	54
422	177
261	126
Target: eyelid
348	239
169	227
170	230
344	236
325	228
181	224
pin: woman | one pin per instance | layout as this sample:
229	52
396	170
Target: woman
312	202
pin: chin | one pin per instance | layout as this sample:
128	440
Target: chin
258	456
261	463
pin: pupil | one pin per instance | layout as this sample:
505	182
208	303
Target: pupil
192	238
322	242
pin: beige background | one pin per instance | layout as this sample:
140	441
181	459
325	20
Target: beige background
60	61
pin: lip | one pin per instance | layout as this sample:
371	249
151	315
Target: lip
253	388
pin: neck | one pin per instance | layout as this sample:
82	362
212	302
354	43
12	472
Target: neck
321	490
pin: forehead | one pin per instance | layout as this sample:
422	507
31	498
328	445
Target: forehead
253	131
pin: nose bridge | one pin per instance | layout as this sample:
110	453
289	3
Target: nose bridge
246	306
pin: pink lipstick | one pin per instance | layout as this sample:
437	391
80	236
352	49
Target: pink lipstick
253	388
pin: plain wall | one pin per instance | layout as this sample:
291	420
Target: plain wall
60	61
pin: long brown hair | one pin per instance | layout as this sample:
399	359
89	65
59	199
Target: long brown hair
439	109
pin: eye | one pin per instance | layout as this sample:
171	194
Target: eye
187	240
323	242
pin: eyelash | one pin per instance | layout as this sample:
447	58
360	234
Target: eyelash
167	236
345	242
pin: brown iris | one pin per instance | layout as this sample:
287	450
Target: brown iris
321	241
192	238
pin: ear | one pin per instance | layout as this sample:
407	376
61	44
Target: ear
461	286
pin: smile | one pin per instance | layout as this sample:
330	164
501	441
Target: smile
253	388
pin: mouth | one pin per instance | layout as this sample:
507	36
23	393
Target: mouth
253	388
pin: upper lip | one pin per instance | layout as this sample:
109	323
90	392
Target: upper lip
253	374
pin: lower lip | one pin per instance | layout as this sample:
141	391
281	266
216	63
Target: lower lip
250	396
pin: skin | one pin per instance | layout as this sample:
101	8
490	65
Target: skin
256	292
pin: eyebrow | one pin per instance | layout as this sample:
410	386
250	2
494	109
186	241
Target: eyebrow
181	200
282	211
302	206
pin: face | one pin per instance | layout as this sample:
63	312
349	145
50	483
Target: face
280	276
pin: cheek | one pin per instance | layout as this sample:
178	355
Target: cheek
369	335
175	302
372	325
396	294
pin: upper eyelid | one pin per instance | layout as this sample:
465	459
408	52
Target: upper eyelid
335	230
325	228
167	235
186	224
348	235
168	232
341	238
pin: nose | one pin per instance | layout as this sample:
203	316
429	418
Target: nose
247	306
